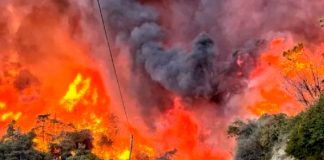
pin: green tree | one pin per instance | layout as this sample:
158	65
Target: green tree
306	140
256	138
77	145
15	145
68	145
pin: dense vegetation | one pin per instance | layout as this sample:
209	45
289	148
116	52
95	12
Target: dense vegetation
66	144
15	145
302	136
306	140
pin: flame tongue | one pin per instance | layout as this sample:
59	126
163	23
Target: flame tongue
77	91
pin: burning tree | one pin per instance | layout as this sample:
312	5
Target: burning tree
302	76
65	145
63	141
168	155
51	139
48	129
75	145
17	145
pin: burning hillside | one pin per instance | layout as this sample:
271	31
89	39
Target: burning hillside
186	69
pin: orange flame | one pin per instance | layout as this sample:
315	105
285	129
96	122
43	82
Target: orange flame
77	90
279	61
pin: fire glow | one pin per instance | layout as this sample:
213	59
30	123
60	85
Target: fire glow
51	63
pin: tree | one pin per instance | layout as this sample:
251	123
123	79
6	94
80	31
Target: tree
65	145
15	145
256	138
301	75
77	145
306	140
302	135
167	155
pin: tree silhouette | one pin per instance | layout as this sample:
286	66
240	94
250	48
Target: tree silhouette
301	75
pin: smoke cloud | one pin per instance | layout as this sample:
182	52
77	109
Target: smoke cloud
199	51
204	72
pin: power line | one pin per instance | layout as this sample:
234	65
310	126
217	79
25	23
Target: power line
113	61
117	79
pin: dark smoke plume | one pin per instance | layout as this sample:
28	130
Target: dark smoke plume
199	73
188	74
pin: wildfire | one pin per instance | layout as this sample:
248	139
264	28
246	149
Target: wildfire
77	90
10	115
51	77
40	144
2	105
294	64
125	155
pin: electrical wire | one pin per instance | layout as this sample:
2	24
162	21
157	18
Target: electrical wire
116	76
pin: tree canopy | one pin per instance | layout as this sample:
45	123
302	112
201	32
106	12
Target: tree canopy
302	135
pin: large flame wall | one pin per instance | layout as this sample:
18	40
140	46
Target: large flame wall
54	61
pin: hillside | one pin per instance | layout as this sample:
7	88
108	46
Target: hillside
274	137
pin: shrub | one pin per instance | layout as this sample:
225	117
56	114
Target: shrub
256	138
306	140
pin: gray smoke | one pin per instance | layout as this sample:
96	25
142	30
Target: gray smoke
233	22
188	74
199	73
